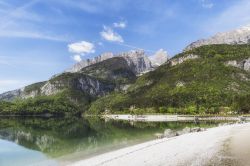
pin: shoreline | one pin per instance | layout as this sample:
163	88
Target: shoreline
171	118
199	148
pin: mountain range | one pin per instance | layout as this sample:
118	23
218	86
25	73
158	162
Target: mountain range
237	36
210	76
125	66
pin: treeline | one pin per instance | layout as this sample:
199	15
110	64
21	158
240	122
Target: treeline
179	105
39	106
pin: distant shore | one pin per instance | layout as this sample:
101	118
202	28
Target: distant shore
224	145
169	118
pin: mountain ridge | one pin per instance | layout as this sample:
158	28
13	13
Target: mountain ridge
236	36
138	58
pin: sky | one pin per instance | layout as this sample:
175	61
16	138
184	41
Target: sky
40	38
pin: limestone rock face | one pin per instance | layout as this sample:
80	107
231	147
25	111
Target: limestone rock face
180	60
18	93
93	87
247	65
8	96
50	89
31	94
243	64
238	36
85	84
138	61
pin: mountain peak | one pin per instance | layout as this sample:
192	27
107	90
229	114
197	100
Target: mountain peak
159	58
87	62
237	36
137	59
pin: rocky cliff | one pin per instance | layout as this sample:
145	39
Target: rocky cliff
137	59
11	95
242	64
178	60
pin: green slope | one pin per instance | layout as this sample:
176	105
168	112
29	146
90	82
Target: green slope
202	85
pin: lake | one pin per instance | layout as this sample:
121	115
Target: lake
28	141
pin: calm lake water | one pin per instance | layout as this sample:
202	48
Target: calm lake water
59	141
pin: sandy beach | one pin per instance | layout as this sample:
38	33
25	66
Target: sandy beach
224	145
171	118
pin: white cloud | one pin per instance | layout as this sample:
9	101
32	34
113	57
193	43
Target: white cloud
82	47
109	35
121	24
207	4
77	58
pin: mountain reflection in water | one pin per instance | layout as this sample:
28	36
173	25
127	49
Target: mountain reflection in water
78	138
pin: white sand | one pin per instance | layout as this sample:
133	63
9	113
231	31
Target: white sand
189	149
167	118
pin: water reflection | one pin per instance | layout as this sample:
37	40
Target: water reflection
57	137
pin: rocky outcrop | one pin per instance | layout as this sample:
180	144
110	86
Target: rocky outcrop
11	95
176	61
243	64
31	94
86	84
93	87
138	61
51	89
238	36
18	93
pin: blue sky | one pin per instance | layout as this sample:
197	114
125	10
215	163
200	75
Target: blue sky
39	38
